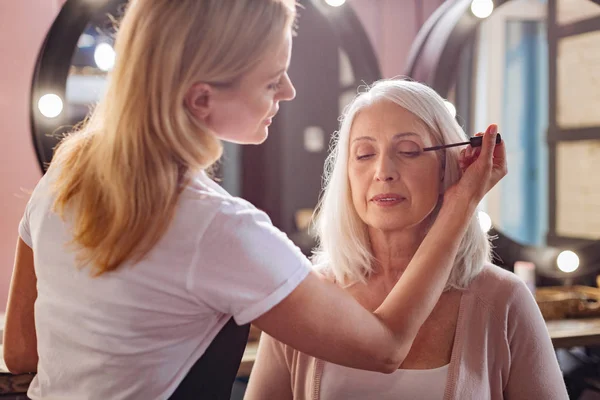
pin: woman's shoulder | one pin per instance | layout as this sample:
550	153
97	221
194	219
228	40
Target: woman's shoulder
324	271
491	273
495	288
204	196
42	194
288	357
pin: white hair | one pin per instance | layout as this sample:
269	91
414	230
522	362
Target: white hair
344	249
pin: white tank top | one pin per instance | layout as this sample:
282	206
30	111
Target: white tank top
339	382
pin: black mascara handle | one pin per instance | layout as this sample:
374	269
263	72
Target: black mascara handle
477	140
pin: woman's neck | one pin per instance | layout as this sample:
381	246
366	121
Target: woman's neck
393	251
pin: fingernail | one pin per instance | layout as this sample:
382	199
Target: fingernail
494	129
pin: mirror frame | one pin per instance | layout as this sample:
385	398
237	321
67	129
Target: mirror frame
53	65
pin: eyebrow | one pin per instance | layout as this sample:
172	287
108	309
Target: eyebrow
395	137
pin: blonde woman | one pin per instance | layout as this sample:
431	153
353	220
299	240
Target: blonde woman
485	339
133	269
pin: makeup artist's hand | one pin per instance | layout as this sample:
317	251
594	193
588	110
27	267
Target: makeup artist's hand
482	169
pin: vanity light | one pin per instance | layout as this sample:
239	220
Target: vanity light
567	261
482	8
50	105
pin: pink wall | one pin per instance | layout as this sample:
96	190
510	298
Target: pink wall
390	24
23	26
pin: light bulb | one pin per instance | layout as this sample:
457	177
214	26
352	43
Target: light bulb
482	8
567	261
50	105
104	56
335	3
485	222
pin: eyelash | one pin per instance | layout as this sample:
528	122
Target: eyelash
410	153
275	86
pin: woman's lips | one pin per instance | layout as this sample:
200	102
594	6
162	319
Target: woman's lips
387	199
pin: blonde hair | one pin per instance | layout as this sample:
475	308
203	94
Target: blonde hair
120	175
344	249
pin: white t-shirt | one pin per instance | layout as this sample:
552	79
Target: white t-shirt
135	333
338	382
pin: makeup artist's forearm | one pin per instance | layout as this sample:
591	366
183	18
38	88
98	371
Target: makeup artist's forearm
322	320
412	299
20	340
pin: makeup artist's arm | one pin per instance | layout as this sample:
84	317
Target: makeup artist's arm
20	343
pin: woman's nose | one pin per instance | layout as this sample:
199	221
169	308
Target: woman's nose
386	170
288	91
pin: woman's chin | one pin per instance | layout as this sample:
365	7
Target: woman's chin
256	137
261	135
395	226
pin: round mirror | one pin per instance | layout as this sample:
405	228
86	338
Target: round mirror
71	71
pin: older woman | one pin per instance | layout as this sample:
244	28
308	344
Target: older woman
485	338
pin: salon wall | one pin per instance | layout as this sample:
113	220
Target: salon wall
23	26
390	24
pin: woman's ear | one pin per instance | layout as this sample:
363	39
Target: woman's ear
198	100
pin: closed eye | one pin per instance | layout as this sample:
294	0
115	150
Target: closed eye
364	156
410	153
275	86
408	148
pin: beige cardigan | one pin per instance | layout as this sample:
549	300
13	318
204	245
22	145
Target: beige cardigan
501	350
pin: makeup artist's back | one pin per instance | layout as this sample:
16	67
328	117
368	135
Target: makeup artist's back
154	319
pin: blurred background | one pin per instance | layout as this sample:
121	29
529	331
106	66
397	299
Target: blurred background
532	66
